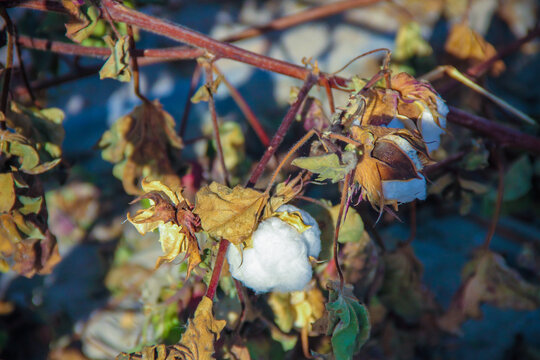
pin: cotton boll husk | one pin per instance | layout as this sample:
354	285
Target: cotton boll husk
311	236
405	191
278	259
407	149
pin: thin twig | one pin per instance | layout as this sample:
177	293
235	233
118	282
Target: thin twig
282	130
245	108
109	19
329	95
195	78
291	151
500	194
135	66
212	107
314	13
344	198
8	68
24	75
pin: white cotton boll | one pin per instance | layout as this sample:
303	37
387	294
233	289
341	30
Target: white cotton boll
311	236
405	191
431	131
278	260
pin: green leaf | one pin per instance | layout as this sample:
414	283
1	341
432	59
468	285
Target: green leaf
518	179
30	205
348	322
117	65
328	166
352	228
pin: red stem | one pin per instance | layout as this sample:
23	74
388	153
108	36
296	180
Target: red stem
172	53
504	135
246	110
216	272
282	130
301	17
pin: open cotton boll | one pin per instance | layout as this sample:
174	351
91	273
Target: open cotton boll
278	260
312	236
405	191
431	131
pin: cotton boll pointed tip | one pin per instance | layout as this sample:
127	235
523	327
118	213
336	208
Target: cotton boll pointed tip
278	260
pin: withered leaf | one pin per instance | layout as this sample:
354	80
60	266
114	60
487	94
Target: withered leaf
83	20
142	144
171	214
41	127
197	342
488	279
284	192
227	213
466	44
409	42
7	192
27	244
205	91
298	308
117	65
327	167
402	290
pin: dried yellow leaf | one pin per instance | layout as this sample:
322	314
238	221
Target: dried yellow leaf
466	44
228	213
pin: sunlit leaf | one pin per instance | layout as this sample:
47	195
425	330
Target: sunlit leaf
171	214
298	308
327	167
205	91
197	342
466	44
117	65
7	192
83	20
231	214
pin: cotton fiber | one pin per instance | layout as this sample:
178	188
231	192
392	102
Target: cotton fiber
278	260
